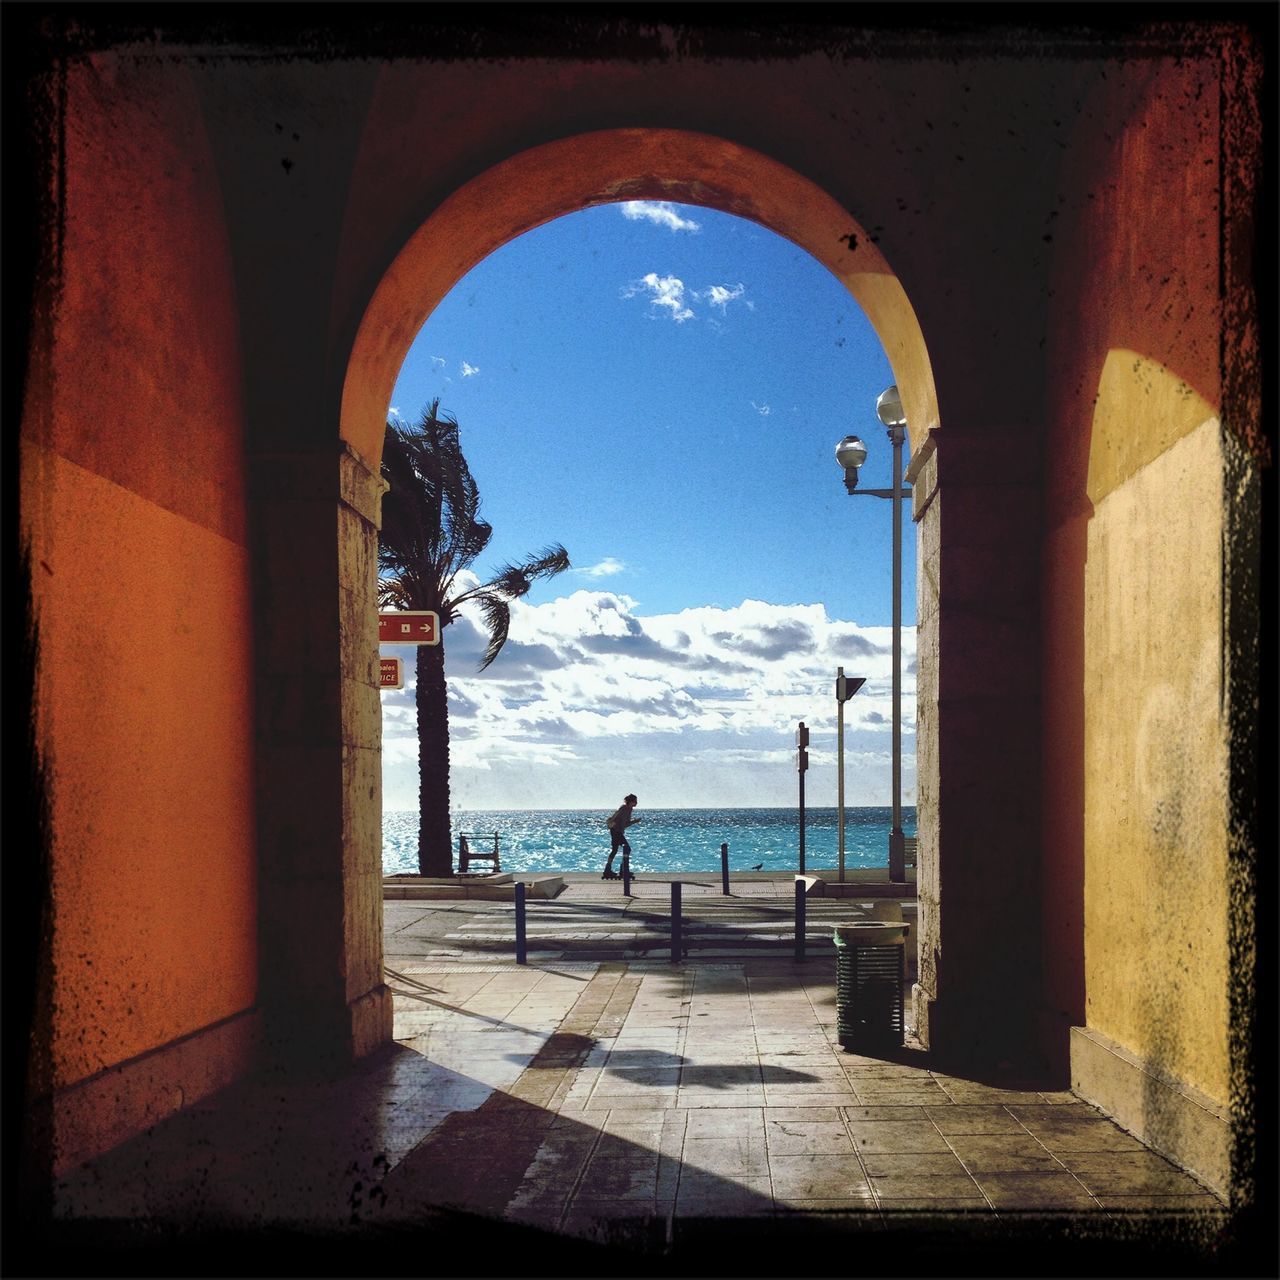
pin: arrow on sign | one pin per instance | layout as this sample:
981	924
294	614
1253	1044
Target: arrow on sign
409	626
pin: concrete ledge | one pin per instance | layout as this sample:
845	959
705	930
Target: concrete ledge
863	889
121	1102
500	887
1177	1120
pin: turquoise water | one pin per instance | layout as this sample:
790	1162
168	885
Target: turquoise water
666	840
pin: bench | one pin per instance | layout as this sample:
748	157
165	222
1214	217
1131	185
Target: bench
467	853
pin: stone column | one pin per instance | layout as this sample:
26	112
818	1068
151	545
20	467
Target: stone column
977	500
314	522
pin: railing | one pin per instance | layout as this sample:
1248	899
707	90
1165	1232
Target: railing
678	936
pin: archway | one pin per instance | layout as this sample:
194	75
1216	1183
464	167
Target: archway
600	168
520	193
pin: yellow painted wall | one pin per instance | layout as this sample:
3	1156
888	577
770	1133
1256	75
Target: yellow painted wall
1135	873
1155	758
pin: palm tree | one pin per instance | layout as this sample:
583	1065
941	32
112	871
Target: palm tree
430	531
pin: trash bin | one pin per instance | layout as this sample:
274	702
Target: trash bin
869	960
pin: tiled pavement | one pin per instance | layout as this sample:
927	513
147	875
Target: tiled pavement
634	1102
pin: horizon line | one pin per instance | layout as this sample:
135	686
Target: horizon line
690	808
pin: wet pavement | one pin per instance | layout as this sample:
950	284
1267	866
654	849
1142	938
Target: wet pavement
602	1102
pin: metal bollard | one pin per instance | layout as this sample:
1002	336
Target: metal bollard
521	950
799	919
675	922
626	874
724	869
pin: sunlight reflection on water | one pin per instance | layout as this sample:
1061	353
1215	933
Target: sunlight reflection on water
666	840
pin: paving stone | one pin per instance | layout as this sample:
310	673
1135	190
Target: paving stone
1147	1204
873	1082
651	1100
709	1194
724	1122
1055	1113
888	1111
864	1205
700	1076
964	1118
776	1073
805	1115
1083	1135
1130	1173
627	1143
626	1122
993	1097
922	1164
614	1222
621	1178
732	1098
890	1137
935	1206
787	1138
736	1157
629	1077
1034	1191
817	1177
819	1098
904	1098
929	1187
1003	1153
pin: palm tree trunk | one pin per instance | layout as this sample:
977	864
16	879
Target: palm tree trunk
435	847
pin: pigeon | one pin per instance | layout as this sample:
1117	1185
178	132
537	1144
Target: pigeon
758	867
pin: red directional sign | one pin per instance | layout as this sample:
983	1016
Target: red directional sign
409	626
390	673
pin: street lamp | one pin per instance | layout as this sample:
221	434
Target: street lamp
851	453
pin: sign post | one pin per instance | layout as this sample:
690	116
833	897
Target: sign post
409	626
845	689
390	673
802	765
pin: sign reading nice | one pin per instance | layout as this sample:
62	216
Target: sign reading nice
404	626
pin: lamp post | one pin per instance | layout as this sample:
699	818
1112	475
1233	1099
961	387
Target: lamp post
851	453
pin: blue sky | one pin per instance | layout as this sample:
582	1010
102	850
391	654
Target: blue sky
661	388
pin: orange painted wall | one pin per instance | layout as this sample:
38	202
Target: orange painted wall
133	500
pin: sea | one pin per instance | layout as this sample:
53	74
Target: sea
665	840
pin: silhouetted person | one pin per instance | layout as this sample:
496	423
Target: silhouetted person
618	822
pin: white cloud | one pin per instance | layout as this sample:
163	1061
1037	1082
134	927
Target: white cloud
469	370
720	295
438	362
702	704
665	291
660	212
603	569
762	409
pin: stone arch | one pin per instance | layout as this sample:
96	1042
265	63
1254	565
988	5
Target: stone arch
557	178
516	195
